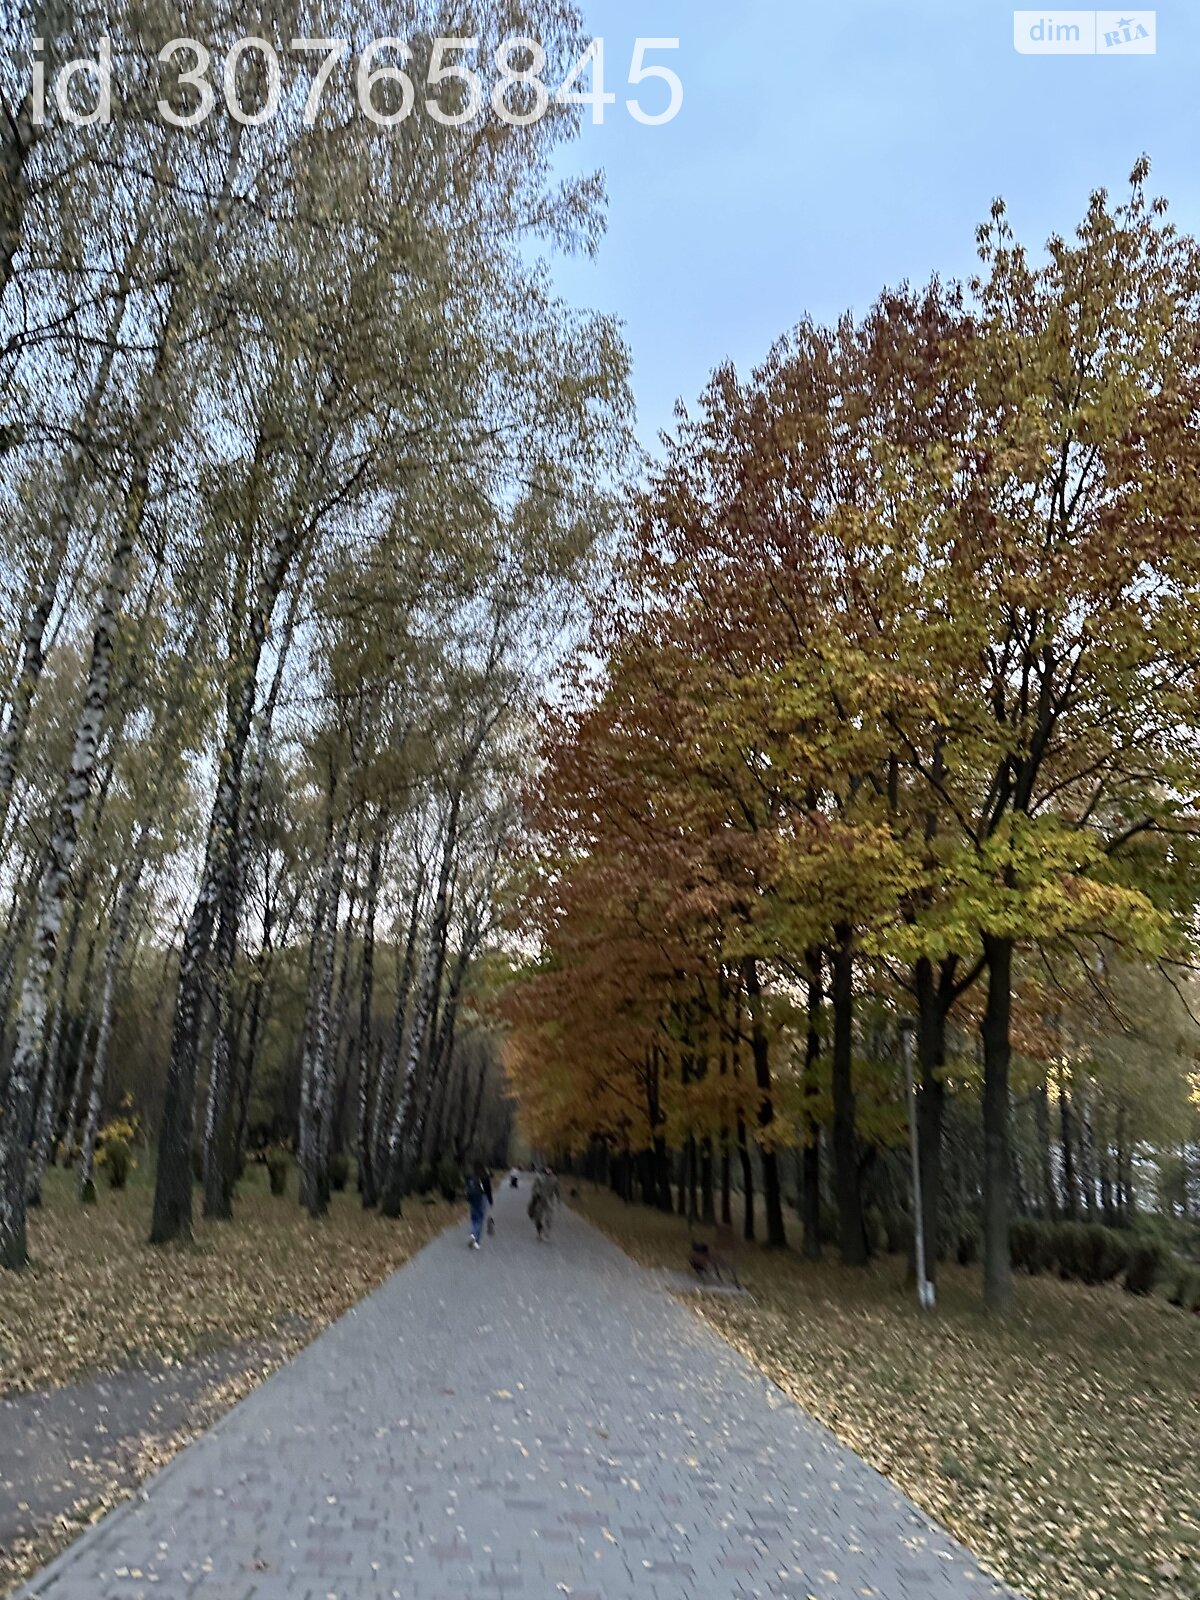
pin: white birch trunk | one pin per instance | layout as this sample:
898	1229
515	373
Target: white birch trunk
33	639
314	1140
31	1016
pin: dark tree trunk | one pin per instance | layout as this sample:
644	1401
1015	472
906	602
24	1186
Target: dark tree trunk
997	1166
1066	1134
772	1189
172	1218
747	1182
662	1174
390	1059
810	1156
852	1232
646	1176
47	1099
931	1107
708	1210
366	1170
1087	1166
393	1179
220	1134
63	840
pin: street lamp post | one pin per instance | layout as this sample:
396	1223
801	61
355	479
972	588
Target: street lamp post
926	1293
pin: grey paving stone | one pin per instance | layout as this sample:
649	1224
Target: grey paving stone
521	1421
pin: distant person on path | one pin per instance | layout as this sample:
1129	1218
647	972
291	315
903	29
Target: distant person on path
477	1199
541	1204
514	1181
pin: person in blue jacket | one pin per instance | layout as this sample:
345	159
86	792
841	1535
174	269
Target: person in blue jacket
478	1199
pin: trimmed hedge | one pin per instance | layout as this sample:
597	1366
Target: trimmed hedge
1145	1261
1086	1252
1183	1287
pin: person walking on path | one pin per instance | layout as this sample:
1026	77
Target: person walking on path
541	1204
477	1200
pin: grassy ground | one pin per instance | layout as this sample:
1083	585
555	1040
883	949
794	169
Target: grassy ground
1063	1446
97	1297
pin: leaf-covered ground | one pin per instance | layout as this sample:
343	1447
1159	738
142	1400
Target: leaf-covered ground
1063	1447
98	1298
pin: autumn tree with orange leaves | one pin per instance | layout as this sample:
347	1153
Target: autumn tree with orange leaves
901	694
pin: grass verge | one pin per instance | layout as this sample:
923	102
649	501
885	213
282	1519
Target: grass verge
97	1297
1061	1446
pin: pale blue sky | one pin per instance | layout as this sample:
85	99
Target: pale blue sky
823	151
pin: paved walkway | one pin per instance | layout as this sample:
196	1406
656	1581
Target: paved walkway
520	1423
63	1449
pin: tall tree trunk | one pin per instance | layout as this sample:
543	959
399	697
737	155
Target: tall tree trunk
419	1044
112	966
1041	1108
439	1058
340	1057
997	1052
460	1110
1125	1205
317	1104
78	1081
931	1107
20	916
772	1190
432	1146
810	1156
476	1106
172	1217
1087	1165
708	1210
260	1006
366	1172
31	1023
1105	1178
389	1063
662	1174
852	1232
63	517
48	1106
1070	1187
46	1119
72	1044
747	1181
219	1128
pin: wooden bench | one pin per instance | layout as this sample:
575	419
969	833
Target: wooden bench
715	1260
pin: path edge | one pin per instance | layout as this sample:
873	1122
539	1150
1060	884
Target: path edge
41	1584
